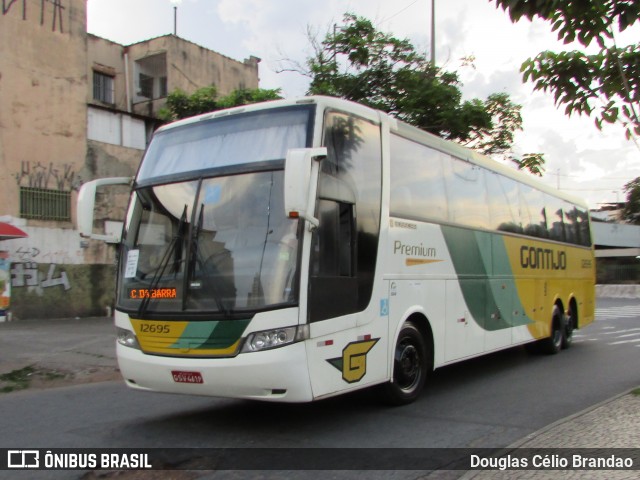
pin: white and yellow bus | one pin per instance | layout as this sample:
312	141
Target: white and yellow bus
295	250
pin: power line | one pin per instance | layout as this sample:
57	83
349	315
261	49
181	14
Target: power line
567	175
398	12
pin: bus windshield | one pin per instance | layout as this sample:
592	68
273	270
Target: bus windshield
206	231
212	245
233	140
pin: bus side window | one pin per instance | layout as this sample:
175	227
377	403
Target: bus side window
334	288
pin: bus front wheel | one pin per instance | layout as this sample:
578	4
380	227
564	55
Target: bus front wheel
410	367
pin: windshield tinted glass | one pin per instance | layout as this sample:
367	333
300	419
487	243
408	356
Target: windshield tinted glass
226	141
214	245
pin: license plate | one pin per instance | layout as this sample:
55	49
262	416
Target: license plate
186	377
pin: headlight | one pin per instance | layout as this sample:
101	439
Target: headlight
278	337
127	338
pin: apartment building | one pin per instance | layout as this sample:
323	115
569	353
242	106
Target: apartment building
73	107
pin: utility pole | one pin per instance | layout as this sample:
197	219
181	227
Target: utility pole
433	32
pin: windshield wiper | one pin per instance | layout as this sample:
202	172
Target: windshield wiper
195	259
170	251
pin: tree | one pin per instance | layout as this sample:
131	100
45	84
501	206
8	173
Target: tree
631	211
181	105
360	63
605	84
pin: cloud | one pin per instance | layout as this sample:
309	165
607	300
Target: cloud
586	157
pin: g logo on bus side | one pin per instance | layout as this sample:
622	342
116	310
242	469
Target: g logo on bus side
353	363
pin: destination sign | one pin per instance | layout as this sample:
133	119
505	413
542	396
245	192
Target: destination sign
153	293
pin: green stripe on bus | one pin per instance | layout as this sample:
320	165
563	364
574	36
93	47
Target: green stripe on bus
211	334
478	257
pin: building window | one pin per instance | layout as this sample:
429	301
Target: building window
45	204
103	88
151	74
146	86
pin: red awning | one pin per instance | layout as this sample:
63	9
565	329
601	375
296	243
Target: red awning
8	231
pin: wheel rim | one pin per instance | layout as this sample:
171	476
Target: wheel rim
408	368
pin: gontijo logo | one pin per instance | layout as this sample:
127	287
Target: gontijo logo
538	258
353	363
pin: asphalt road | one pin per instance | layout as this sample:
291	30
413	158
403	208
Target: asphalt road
487	402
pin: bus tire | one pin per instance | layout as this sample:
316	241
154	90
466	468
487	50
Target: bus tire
569	327
410	367
553	344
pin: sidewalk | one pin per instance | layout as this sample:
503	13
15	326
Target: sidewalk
614	423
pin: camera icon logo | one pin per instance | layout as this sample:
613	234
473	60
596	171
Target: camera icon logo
23	459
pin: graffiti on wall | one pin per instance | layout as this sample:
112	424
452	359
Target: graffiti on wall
41	176
51	12
28	275
28	254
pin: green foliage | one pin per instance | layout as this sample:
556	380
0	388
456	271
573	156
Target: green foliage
362	64
606	84
534	162
245	97
182	105
16	379
631	211
21	379
583	20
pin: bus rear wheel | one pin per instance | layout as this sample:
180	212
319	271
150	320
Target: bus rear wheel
569	327
410	367
553	344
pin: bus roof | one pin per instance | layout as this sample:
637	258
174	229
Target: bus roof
396	126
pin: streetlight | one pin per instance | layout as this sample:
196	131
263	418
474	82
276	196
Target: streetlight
175	15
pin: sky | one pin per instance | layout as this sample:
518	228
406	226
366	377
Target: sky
580	159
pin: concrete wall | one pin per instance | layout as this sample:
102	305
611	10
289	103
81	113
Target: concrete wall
47	61
43	85
618	291
106	57
49	275
190	67
617	235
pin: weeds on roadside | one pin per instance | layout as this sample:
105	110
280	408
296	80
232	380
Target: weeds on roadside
21	378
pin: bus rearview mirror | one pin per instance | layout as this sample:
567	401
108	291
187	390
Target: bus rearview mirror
301	182
86	205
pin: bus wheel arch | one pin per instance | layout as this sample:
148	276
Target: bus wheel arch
412	361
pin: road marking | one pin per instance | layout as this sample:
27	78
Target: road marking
621	342
623	331
628	335
624	311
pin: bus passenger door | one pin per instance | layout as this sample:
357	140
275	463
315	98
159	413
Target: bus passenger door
333	289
